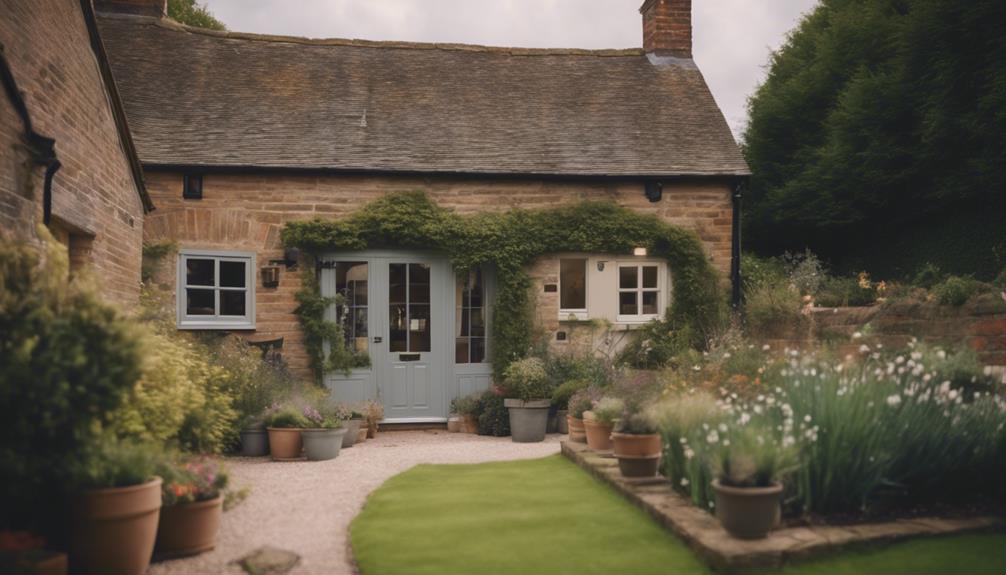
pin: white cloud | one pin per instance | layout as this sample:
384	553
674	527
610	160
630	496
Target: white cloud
733	38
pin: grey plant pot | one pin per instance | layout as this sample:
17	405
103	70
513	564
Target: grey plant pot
322	444
528	419
254	442
352	430
562	425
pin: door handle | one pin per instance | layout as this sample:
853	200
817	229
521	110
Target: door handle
377	339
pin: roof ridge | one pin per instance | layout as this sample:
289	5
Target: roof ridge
171	24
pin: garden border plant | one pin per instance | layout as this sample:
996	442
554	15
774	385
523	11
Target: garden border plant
510	241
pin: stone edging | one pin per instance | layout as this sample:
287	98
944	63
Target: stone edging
702	532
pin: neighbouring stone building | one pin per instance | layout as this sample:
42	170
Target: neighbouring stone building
61	123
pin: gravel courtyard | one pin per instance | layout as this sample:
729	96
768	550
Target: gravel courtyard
306	507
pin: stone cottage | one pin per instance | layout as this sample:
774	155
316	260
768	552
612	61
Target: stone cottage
238	134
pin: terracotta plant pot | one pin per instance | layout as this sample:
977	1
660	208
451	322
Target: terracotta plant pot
454	424
352	432
188	528
598	434
747	512
470	424
576	429
322	444
114	529
285	444
361	435
638	455
372	431
528	419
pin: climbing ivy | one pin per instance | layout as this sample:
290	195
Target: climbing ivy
509	241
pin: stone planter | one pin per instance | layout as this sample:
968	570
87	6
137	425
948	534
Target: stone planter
352	432
638	455
598	434
454	424
361	435
189	528
470	424
285	443
254	442
576	429
528	419
114	529
561	423
747	512
322	444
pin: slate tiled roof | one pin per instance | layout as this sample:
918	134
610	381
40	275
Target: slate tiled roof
202	98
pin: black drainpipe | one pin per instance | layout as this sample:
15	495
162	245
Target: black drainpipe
42	148
735	244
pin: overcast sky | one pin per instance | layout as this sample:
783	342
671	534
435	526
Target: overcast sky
733	38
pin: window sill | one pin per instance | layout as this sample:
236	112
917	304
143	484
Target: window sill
213	325
573	315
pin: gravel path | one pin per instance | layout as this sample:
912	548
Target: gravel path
307	507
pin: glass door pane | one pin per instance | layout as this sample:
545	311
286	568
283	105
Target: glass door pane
409	316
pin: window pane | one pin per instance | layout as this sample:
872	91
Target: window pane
360	324
628	278
478	328
199	302
649	276
478	350
419	283
397	328
396	283
650	303
232	302
573	284
351	282
464	320
461	350
419	327
199	272
477	287
232	274
627	303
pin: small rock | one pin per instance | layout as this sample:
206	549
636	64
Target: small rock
269	561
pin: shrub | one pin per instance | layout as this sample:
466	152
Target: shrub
66	358
957	290
773	307
846	291
470	404
636	423
527	379
494	417
655	345
590	368
563	393
110	462
583	400
373	412
928	276
254	384
804	271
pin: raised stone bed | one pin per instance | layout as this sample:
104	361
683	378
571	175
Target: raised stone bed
702	532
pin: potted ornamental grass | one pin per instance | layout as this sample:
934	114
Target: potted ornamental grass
580	402
115	514
284	425
193	502
599	422
528	399
373	413
325	432
636	444
467	407
748	466
560	402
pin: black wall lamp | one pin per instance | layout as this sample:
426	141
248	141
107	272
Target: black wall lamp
654	191
290	258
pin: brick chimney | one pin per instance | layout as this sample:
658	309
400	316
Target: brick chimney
667	27
156	8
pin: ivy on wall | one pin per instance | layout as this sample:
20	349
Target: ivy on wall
509	241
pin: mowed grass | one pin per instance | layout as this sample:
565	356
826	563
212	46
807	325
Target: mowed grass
521	517
981	554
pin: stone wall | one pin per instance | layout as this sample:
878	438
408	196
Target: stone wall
96	206
247	212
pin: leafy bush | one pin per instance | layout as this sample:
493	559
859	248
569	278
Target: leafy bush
254	384
562	368
494	417
527	379
118	463
846	291
957	290
583	400
66	358
470	404
288	417
656	345
928	276
563	393
805	272
772	307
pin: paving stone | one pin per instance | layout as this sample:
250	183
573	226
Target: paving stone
269	561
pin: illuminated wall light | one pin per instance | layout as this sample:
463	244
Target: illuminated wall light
639	252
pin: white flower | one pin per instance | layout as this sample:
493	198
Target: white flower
894	400
726	443
684	482
713	437
766	347
857	335
723	428
806	418
689	454
952	395
864	348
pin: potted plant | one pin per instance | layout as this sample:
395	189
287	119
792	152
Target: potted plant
579	403
528	399
353	429
560	402
599	422
467	408
24	552
325	432
636	444
193	502
254	438
747	468
373	412
285	439
115	516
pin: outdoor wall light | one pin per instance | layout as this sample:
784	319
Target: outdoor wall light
600	266
654	191
290	258
270	276
641	252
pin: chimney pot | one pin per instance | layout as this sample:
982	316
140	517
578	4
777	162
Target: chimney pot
667	27
156	8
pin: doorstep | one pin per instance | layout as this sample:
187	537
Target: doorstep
726	554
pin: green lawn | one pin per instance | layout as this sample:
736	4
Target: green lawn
524	517
548	516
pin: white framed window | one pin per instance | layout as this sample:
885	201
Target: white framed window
216	290
640	291
572	288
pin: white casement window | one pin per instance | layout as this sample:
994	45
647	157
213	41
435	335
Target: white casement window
572	288
640	287
216	290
